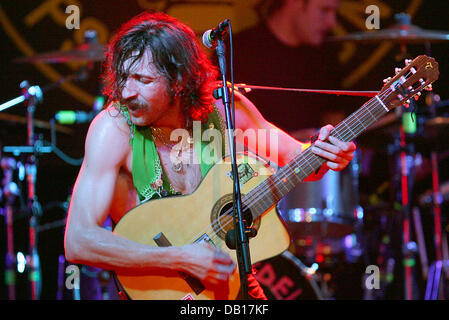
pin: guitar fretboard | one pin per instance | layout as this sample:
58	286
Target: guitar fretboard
275	187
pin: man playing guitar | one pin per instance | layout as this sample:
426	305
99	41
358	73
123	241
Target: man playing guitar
159	80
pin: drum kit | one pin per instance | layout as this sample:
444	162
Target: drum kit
326	218
336	228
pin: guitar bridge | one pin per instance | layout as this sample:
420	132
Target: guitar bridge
205	238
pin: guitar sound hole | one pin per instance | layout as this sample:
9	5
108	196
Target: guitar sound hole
222	217
227	216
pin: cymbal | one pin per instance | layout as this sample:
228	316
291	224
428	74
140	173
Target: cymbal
86	52
399	32
37	123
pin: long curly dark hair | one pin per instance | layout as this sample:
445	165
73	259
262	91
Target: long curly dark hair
176	55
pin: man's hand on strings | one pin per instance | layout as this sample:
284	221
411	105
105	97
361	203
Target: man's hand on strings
337	152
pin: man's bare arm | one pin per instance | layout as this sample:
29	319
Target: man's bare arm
86	242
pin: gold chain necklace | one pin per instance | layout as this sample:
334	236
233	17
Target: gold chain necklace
184	146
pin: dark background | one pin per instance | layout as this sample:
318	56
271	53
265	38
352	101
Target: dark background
56	177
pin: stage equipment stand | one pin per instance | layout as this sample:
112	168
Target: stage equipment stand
405	150
33	205
437	286
436	194
10	192
31	96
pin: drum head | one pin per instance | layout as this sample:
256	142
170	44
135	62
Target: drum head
282	279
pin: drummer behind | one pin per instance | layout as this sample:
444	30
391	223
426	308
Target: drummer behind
286	49
161	87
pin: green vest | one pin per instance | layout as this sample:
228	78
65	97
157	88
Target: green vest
146	165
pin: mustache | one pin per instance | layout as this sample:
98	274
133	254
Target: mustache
133	104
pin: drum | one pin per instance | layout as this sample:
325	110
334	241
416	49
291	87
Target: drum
325	208
285	277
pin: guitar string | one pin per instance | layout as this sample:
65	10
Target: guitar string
364	109
250	201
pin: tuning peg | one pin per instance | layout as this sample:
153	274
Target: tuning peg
407	61
397	70
387	79
408	101
429	87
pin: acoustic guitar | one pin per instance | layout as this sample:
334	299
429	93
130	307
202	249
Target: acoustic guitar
206	214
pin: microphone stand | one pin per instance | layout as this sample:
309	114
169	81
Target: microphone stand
37	92
240	231
32	202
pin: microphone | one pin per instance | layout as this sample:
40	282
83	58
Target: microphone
211	36
71	117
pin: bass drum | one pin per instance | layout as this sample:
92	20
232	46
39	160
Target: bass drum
285	277
327	208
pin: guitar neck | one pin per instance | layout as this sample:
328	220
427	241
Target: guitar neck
275	187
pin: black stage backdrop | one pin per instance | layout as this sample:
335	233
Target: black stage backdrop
31	27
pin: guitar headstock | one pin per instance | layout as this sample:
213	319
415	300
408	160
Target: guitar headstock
418	74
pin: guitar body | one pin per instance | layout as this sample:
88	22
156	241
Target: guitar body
189	218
